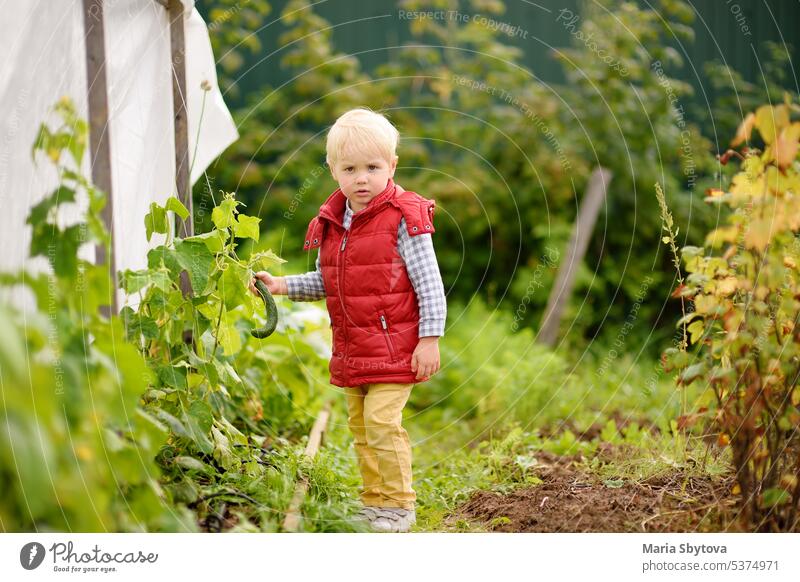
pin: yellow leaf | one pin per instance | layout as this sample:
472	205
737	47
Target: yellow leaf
736	490
784	150
789	262
771	120
727	285
750	183
744	130
758	234
716	237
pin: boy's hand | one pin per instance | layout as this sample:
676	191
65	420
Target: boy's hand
275	285
425	360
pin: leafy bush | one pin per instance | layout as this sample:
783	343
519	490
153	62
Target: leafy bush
117	423
744	322
76	452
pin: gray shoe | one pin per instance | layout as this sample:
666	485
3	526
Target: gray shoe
393	519
365	515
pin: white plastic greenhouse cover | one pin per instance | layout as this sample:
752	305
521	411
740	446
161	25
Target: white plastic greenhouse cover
44	58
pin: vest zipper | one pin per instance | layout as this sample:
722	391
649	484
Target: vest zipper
344	310
388	337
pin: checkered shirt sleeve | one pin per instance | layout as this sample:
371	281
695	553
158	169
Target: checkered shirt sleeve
306	287
423	270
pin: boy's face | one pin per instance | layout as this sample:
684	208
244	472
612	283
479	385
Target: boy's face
362	177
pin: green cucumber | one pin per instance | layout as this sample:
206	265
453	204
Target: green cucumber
272	312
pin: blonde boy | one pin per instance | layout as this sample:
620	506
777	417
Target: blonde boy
377	270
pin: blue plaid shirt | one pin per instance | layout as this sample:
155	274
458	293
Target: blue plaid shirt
421	265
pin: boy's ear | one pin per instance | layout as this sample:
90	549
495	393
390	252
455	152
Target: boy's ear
393	167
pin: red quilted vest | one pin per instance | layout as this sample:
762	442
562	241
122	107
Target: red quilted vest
372	304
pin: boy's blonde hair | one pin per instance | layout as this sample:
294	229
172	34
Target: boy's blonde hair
360	130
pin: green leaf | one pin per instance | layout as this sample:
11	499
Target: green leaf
689	252
233	432
232	285
136	324
192	464
175	425
198	420
204	367
40	213
134	281
214	240
229	337
156	220
223	215
246	227
177	207
776	496
197	260
77	145
264	260
222	450
692	373
60	248
174	376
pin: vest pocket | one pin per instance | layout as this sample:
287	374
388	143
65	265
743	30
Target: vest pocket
388	337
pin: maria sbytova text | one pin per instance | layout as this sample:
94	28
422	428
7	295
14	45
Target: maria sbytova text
683	549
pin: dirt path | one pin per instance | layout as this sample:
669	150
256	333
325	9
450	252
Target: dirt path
573	500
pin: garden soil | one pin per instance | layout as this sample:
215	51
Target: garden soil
571	499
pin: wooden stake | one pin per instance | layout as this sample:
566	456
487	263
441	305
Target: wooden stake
99	132
576	249
183	228
292	520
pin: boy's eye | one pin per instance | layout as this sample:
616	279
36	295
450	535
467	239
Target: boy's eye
348	169
372	167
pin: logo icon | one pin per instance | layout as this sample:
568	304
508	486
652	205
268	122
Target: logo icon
31	555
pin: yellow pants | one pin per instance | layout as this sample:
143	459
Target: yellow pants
383	448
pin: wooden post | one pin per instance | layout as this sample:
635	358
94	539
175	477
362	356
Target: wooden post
183	228
576	249
182	178
292	519
99	131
